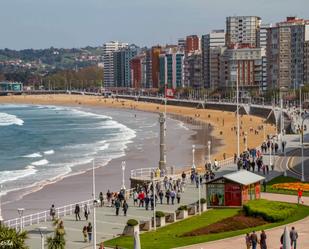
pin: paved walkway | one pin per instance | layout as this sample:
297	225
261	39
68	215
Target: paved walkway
108	224
273	235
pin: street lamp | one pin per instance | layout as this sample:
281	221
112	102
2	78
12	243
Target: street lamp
123	167
300	99
199	195
94	210
209	144
41	230
154	200
193	159
302	148
21	212
270	152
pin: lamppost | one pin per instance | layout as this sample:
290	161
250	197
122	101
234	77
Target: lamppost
123	167
209	144
21	212
199	195
300	99
154	200
41	231
193	159
94	210
270	152
302	148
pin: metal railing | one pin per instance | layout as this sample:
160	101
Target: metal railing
44	216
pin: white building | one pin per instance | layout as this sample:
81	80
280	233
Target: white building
108	59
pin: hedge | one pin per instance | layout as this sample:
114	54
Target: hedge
269	211
132	223
183	207
159	214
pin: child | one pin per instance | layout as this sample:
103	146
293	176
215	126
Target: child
85	233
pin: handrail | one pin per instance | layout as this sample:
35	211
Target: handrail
44	216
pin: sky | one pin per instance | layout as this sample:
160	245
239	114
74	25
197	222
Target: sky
79	23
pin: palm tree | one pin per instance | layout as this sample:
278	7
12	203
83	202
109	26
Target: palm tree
58	240
10	238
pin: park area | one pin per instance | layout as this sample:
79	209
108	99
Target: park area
218	224
287	185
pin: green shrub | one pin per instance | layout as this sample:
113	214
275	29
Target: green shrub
203	200
269	210
183	207
160	214
132	223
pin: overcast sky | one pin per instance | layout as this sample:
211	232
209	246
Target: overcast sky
77	23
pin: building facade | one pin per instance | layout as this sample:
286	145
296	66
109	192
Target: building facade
193	70
192	44
171	69
211	45
108	59
285	53
242	30
138	71
122	70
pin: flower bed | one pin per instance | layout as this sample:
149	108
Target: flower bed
292	186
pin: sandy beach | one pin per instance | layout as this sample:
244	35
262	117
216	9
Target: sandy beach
75	188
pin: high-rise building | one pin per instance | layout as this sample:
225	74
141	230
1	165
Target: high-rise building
108	59
285	53
306	63
193	70
192	44
152	67
122	71
171	68
262	43
211	44
181	44
244	65
242	30
138	71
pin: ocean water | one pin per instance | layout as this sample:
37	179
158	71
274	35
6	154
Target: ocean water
40	144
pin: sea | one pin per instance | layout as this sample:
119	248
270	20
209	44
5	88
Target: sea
45	143
42	144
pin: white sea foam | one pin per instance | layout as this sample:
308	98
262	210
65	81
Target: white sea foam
7	176
49	152
8	119
33	155
40	163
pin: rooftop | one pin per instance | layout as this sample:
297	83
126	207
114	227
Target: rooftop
244	177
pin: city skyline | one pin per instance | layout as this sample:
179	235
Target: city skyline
68	24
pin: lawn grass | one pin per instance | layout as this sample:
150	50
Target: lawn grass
283	179
169	236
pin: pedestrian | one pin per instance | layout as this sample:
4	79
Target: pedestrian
293	237
76	212
161	194
86	211
248	241
101	198
173	195
254	240
52	212
135	197
299	196
89	231
117	206
147	200
263	238
85	233
178	196
264	185
109	198
125	207
167	196
101	245
141	198
183	176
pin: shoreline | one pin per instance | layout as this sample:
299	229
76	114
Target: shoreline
90	102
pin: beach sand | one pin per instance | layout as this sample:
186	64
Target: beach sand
221	121
78	187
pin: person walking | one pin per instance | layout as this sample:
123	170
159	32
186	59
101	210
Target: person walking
178	196
85	233
173	195
76	212
117	206
248	241
86	211
52	212
299	196
135	197
263	238
167	196
125	207
89	231
101	198
254	240
293	237
161	195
